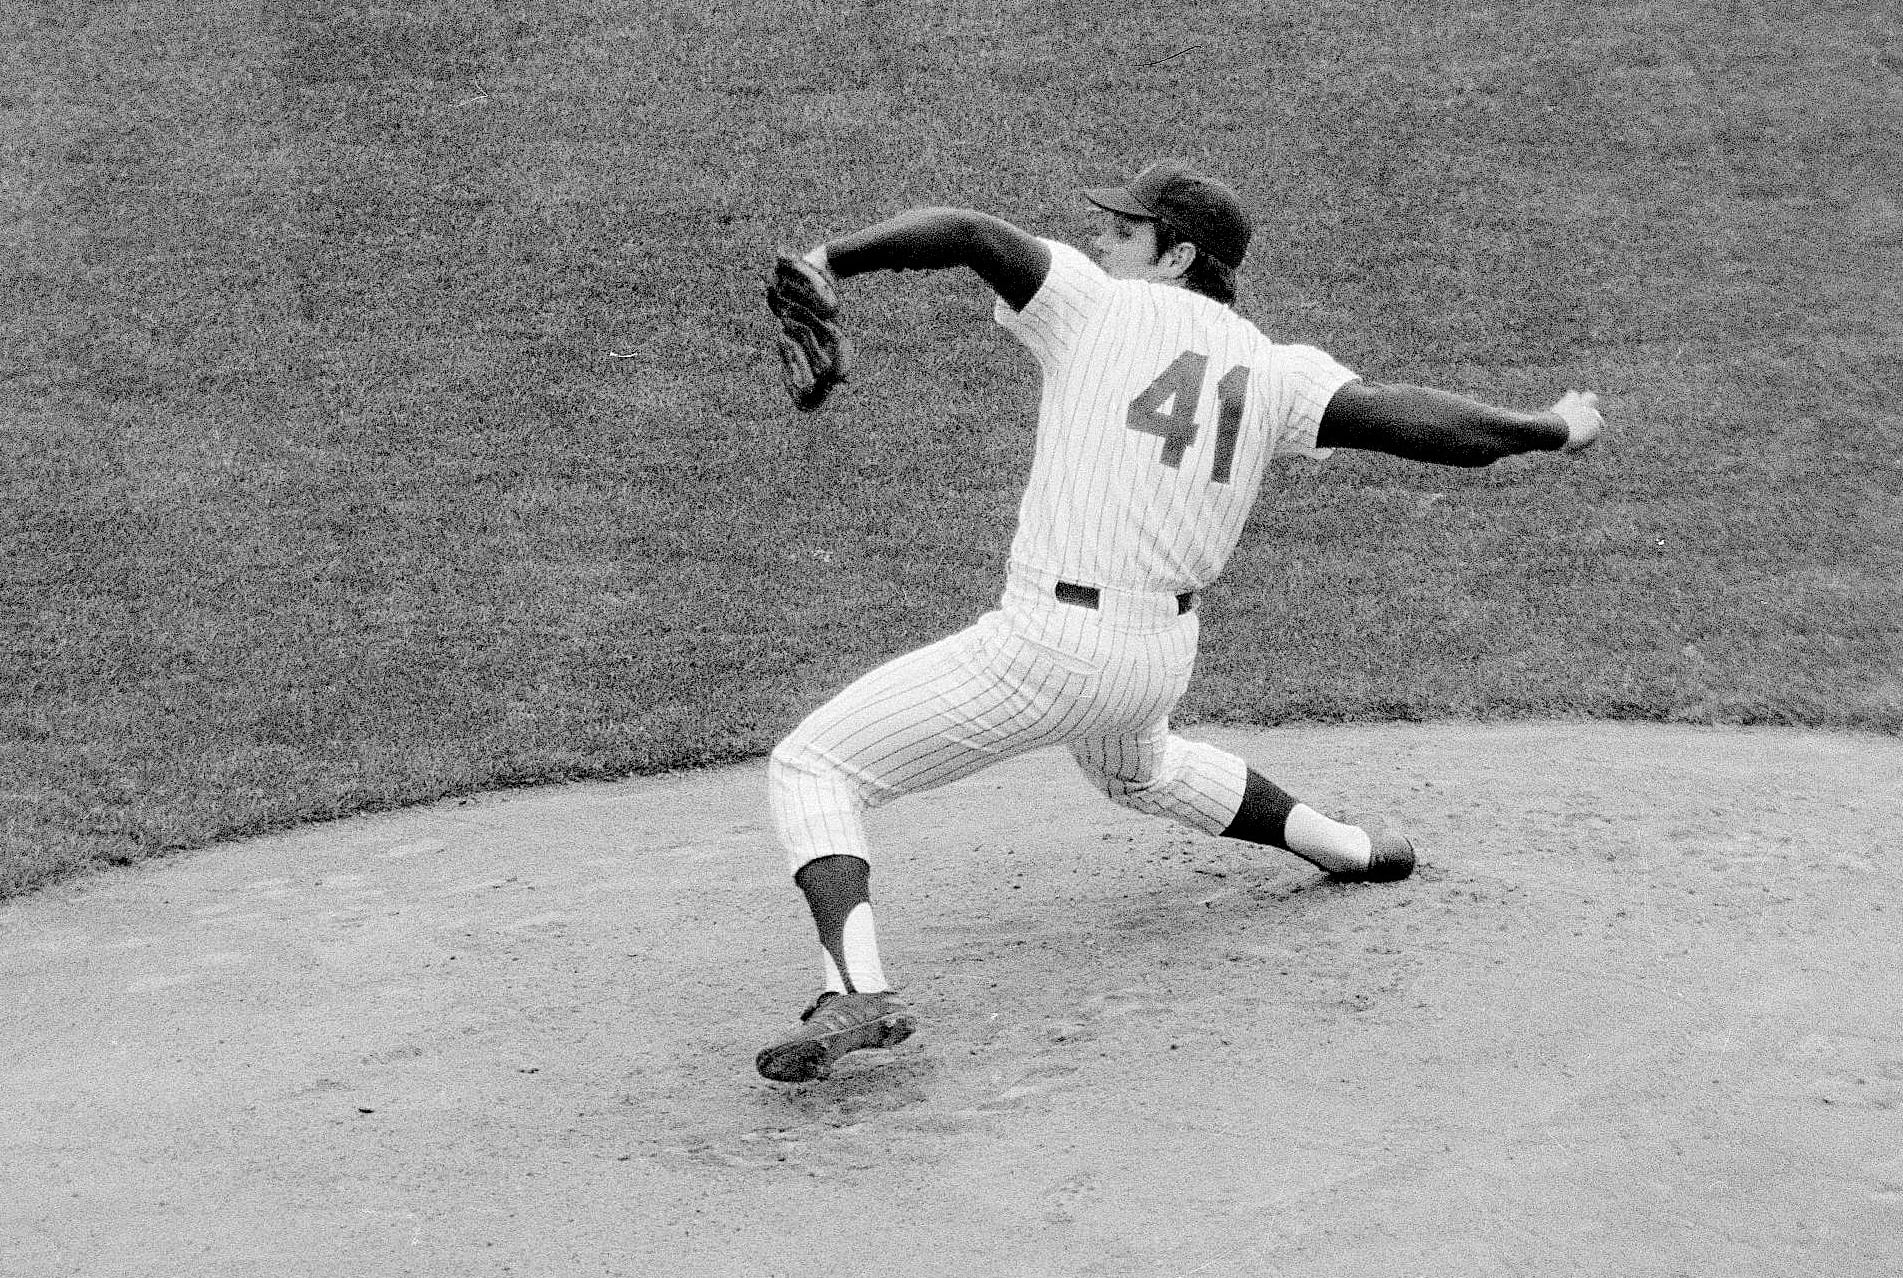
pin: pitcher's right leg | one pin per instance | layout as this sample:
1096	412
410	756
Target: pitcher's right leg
1156	772
1209	789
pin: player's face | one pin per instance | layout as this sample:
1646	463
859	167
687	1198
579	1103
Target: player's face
1126	247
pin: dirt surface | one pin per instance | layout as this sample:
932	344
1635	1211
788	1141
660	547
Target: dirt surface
1637	1014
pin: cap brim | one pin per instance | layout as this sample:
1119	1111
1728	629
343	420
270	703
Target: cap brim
1117	199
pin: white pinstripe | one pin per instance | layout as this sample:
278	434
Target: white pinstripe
1101	510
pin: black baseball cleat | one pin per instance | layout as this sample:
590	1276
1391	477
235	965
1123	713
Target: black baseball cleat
833	1026
1390	859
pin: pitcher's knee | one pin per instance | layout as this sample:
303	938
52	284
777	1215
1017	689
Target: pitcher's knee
786	759
802	781
1170	787
1138	791
1143	795
815	805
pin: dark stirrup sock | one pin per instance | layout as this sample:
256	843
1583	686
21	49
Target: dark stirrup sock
838	891
1270	815
1263	815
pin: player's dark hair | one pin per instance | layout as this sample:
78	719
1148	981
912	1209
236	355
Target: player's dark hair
1206	275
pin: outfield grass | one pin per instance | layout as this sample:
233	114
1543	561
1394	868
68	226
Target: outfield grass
323	493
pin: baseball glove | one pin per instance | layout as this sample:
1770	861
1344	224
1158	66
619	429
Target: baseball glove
815	355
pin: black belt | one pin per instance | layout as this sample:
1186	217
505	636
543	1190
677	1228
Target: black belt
1091	597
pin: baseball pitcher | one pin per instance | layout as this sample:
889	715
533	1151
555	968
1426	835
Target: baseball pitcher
1160	410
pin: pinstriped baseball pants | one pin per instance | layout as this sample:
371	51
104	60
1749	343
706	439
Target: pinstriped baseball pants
1034	673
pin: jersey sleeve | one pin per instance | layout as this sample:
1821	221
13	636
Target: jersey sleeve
1074	291
1309	379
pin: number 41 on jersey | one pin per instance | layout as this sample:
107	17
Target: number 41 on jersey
1181	384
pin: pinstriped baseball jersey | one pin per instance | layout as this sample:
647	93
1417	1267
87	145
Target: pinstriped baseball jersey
1159	413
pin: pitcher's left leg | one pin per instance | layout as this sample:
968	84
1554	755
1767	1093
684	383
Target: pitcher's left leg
863	747
918	722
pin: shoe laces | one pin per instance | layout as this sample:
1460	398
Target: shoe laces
825	996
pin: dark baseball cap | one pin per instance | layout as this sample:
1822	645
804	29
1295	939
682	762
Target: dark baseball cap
1200	209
